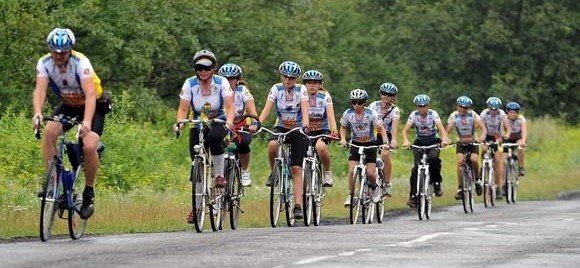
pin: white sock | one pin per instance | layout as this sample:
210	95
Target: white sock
218	165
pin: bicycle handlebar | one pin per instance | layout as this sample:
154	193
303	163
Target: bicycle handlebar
177	130
278	134
319	136
60	118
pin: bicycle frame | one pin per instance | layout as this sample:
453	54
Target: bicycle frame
58	192
281	189
361	198
511	172
424	190
467	179
488	174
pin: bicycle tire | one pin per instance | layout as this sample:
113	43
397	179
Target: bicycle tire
289	202
485	170
422	195
198	193
307	192
471	188
367	204
275	194
380	206
510	174
319	195
235	192
492	185
216	208
355	197
464	188
48	201
77	225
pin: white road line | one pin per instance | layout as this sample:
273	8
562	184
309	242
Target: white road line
313	260
417	240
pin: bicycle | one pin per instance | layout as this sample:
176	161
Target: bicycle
511	172
281	188
201	174
361	195
233	172
424	191
488	174
312	172
467	180
63	184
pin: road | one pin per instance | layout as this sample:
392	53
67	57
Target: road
527	234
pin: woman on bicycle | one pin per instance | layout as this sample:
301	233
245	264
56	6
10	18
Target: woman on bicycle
495	121
322	120
427	123
390	114
243	104
465	120
363	123
290	101
517	132
210	97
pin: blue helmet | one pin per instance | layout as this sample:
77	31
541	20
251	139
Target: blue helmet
312	75
290	68
512	105
60	40
358	94
389	88
230	70
494	103
464	101
422	100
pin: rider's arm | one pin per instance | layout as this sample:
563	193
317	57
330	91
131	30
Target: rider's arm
405	134
342	134
394	135
266	110
331	119
524	133
230	110
305	115
442	133
507	127
482	129
88	87
39	95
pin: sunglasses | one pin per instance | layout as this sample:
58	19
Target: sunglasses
387	94
359	102
199	68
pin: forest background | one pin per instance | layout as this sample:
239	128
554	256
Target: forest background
142	50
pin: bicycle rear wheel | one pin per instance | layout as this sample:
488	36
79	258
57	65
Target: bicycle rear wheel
355	197
217	208
275	194
235	196
198	193
76	225
318	196
48	201
307	192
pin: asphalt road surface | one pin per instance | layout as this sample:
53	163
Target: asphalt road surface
526	234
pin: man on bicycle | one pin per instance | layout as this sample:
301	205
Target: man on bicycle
465	120
322	120
364	123
290	100
495	121
390	115
426	122
72	78
517	132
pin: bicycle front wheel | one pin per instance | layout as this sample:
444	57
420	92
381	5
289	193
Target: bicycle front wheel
487	187
275	194
76	225
235	196
422	202
355	197
48	201
288	196
198	193
465	184
217	208
318	195
307	192
510	181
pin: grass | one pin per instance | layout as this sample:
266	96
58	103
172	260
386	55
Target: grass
160	203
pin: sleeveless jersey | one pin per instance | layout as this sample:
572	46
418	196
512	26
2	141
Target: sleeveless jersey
363	127
425	126
464	124
288	113
212	103
386	115
67	84
493	121
318	103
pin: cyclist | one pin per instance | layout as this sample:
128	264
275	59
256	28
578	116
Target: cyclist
427	123
517	132
243	104
494	118
465	120
290	101
364	123
211	97
322	120
72	78
390	115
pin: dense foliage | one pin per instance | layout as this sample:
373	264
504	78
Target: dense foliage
518	50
